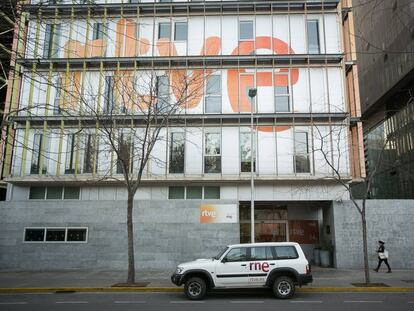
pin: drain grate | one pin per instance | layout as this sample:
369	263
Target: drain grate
408	281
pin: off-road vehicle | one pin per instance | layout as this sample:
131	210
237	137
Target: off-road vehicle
279	266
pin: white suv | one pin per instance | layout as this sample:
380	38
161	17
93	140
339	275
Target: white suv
280	266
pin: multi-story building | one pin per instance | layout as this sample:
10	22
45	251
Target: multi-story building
384	35
195	193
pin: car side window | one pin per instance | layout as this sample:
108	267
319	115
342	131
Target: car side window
260	253
286	252
237	254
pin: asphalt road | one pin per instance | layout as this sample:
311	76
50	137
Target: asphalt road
217	301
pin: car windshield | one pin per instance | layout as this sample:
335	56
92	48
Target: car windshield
217	257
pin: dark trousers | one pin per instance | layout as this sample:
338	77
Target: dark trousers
385	261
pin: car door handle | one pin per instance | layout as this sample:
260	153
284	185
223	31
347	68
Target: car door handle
272	264
243	265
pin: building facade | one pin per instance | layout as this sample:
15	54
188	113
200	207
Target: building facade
195	194
386	63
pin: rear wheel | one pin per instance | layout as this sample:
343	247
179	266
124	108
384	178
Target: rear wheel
195	288
283	287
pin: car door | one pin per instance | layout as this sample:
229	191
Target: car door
231	271
261	262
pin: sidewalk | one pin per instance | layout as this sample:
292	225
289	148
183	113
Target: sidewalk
324	278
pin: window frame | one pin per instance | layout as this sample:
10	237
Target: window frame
313	21
186	31
56	228
296	154
216	155
159	30
217	95
240	34
171	146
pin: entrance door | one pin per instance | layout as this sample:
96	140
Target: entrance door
271	231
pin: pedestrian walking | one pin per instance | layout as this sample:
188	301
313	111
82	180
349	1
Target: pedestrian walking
382	256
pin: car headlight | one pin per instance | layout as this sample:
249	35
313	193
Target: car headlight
179	270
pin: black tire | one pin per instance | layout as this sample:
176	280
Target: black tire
283	287
195	288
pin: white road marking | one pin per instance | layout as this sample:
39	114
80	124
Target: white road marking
363	301
411	302
183	301
306	301
125	301
68	302
246	301
14	303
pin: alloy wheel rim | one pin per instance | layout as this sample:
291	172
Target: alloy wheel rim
284	288
194	289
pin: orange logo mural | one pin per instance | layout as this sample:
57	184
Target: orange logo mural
239	81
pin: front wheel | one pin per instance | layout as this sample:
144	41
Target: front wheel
283	287
195	288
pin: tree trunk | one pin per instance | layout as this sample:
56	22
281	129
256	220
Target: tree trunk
130	229
365	245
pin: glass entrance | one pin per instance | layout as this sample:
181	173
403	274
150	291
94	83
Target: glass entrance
271	231
271	224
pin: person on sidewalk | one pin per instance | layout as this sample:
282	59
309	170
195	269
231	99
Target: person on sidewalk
382	256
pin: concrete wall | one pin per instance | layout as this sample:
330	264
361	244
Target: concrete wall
166	233
388	220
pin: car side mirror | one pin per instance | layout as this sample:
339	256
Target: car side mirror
224	260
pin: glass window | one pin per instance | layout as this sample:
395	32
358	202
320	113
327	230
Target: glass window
164	31
55	235
177	153
261	253
70	154
76	235
51	43
90	152
237	254
37	193
54	193
37	153
98	31
286	252
213	94
212	158
194	192
180	32
176	192
246	30
58	95
34	235
282	93
109	99
71	193
211	192
302	164
246	152
163	96
125	154
313	37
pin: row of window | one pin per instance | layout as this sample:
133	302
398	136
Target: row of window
212	94
54	193
179	33
61	235
261	253
82	150
193	192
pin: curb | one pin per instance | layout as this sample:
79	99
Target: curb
178	289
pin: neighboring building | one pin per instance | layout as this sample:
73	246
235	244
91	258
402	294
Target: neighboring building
8	8
291	51
384	34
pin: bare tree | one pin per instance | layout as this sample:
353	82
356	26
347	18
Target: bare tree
128	118
332	152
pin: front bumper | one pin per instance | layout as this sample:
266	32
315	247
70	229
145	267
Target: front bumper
304	279
177	279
